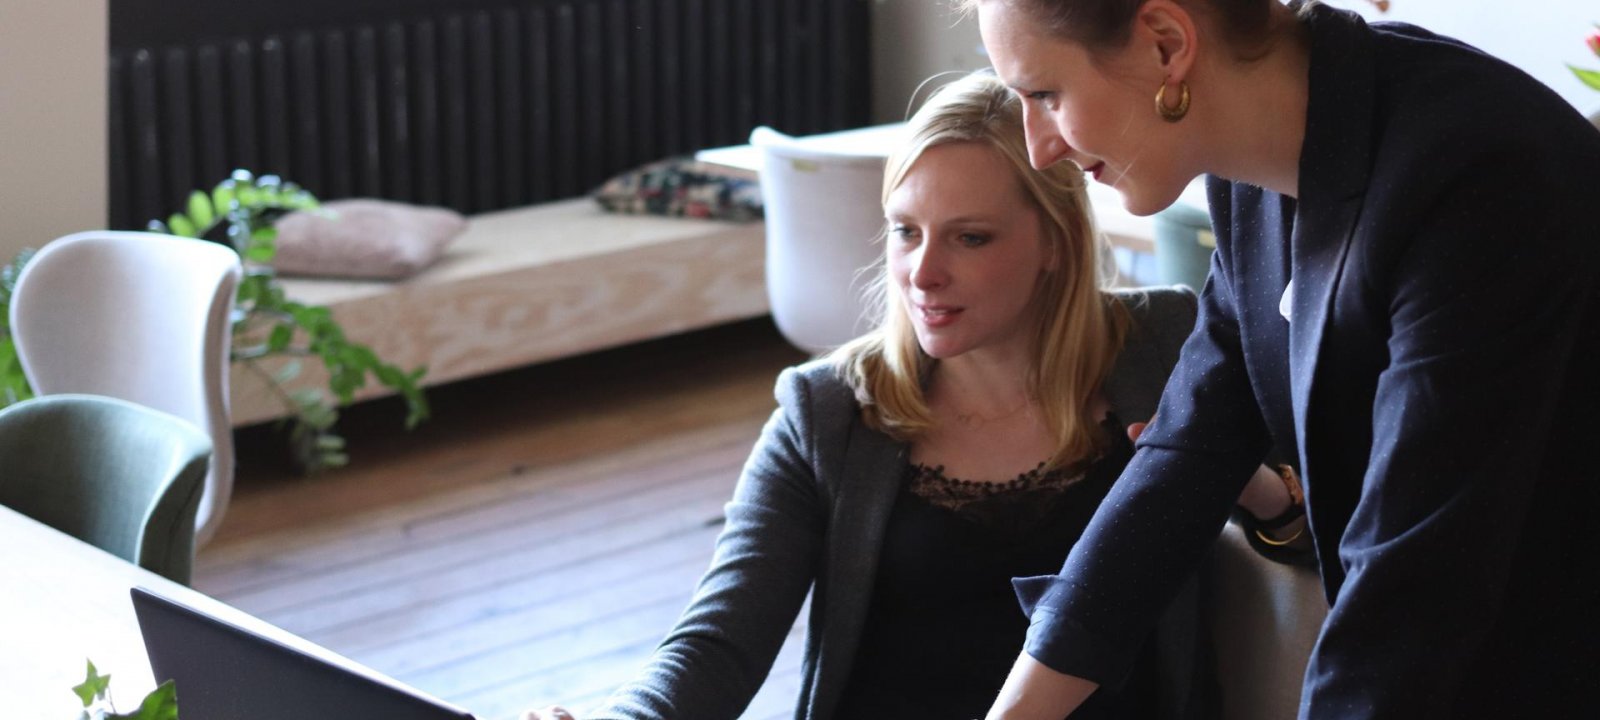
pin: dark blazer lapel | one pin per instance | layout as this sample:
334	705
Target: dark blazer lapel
1335	161
873	464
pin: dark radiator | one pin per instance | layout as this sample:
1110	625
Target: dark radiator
472	105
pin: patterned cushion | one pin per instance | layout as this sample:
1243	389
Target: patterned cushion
681	187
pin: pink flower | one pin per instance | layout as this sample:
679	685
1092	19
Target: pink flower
1594	43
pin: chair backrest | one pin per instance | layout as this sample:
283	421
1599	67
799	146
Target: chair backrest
1264	619
823	217
138	316
119	476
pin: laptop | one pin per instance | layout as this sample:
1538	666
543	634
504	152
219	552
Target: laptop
225	672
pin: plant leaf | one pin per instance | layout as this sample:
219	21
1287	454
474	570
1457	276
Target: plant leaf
288	372
389	375
281	336
330	442
200	209
1589	77
93	686
260	253
160	704
181	225
222	197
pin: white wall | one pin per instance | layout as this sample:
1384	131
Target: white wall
914	39
52	120
1539	36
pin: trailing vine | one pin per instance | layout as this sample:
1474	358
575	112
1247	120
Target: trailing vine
239	212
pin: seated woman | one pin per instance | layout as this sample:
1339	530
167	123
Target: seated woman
911	474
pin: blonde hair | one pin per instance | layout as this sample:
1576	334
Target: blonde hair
1079	328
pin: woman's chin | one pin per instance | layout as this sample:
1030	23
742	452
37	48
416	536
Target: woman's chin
938	348
1142	201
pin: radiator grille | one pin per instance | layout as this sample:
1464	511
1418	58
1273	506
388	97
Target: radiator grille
480	107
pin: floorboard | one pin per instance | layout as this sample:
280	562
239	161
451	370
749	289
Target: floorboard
529	545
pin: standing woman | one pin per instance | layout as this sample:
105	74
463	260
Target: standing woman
1404	294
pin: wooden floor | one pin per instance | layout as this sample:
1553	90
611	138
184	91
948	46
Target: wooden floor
529	545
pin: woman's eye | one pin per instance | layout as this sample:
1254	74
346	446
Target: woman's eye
1043	97
973	239
901	231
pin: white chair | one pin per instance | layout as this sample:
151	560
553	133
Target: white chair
1265	618
138	316
824	219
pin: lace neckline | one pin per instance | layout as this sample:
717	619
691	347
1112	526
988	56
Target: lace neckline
932	484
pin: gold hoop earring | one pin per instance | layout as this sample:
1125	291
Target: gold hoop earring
1173	114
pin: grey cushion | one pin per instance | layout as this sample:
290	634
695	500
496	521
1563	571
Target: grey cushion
365	239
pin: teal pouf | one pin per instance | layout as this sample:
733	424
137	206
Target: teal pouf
1183	245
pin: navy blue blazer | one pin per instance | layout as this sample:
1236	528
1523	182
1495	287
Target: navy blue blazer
1435	377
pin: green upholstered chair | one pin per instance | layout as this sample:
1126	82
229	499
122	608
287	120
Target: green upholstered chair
119	476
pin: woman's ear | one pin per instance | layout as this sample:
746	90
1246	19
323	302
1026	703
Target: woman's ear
1054	243
1169	32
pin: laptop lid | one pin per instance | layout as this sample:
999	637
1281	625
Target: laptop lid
225	672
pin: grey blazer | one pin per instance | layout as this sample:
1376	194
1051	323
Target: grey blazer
811	507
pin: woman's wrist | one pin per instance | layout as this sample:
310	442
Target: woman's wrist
1271	493
1276	505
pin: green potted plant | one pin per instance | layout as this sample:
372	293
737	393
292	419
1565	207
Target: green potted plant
240	212
95	692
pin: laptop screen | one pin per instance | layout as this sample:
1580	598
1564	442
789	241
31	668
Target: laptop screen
225	672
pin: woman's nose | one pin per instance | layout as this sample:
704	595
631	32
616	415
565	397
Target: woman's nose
1046	147
927	268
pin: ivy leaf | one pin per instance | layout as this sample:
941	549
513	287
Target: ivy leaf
289	371
260	253
266	323
93	686
248	196
249	291
300	200
160	704
263	244
281	336
389	375
200	209
182	225
332	443
1589	77
222	197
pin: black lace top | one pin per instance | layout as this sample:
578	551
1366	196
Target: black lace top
944	627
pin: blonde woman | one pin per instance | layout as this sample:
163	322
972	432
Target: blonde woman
908	477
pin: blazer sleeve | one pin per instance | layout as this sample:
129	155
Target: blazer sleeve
1164	513
715	659
1487	303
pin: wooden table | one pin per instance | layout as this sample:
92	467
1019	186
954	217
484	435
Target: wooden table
62	601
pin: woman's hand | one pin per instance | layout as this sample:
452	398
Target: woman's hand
1033	691
554	712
